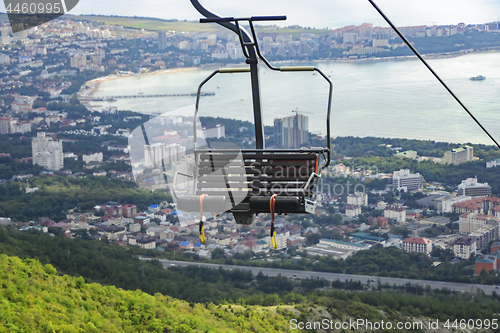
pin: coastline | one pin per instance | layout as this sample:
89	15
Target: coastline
88	89
442	55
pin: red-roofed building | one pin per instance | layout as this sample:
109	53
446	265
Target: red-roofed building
250	239
471	222
417	244
48	223
382	222
372	221
485	262
481	205
129	210
252	245
234	236
495	247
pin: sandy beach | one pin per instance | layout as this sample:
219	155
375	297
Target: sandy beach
88	90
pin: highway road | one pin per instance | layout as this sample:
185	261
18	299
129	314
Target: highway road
462	287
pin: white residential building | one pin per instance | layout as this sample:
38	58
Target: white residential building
222	239
219	131
157	153
464	247
403	180
96	157
447	205
483	236
8	125
417	244
352	210
47	152
357	199
471	222
493	163
147	243
397	213
4	59
280	241
79	61
472	188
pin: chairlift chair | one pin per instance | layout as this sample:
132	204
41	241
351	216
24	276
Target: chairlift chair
248	182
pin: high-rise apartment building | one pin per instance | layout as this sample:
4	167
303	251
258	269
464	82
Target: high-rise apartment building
291	132
7	125
458	155
159	154
47	152
78	61
163	41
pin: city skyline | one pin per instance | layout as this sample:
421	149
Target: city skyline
320	14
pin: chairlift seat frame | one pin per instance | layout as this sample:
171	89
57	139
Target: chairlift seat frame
250	192
290	174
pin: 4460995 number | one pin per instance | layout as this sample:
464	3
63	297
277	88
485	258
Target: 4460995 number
472	324
34	8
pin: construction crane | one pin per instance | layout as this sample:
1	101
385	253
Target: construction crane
297	110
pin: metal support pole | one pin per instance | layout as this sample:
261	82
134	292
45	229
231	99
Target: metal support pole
257	114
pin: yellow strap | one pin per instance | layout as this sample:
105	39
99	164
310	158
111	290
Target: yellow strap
273	240
202	235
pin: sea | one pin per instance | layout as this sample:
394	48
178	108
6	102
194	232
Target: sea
399	99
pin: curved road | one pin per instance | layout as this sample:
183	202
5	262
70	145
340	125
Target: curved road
455	286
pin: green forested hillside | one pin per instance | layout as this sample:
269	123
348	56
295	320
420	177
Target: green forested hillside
69	193
33	298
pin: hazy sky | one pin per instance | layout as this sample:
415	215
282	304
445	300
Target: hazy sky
314	13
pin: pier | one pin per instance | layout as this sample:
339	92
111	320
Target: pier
112	98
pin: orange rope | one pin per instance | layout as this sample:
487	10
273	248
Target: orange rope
316	166
202	197
272	204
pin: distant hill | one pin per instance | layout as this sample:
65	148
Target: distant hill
33	298
147	23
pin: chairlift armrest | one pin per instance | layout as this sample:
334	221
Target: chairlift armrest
311	177
235	70
175	181
297	68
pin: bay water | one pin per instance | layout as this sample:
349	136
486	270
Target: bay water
385	99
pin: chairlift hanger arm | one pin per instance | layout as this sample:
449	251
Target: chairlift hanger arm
212	16
414	50
250	48
247	44
252	18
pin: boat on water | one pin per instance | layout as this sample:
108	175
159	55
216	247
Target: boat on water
478	78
